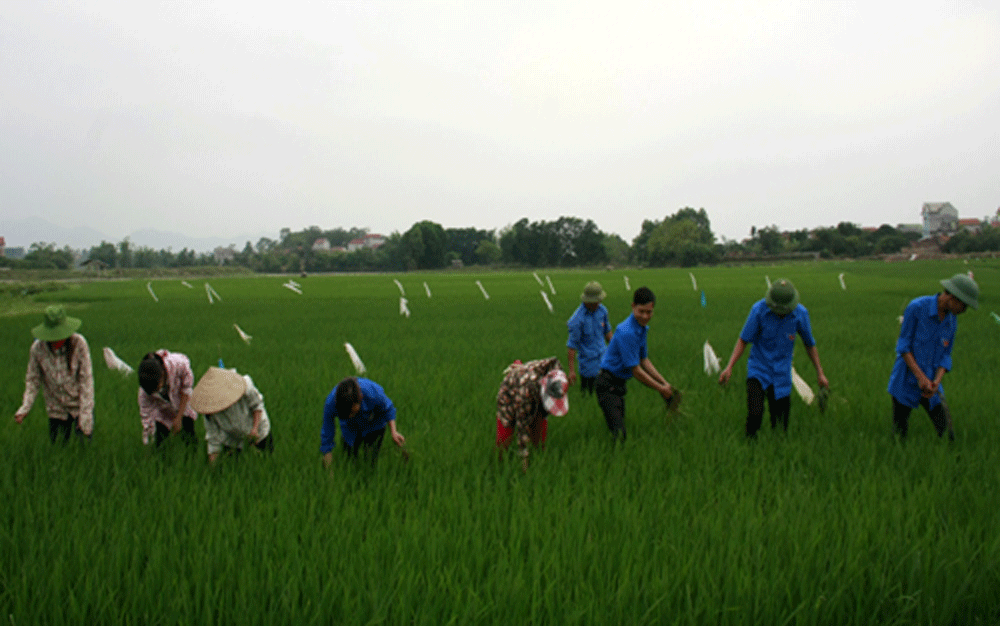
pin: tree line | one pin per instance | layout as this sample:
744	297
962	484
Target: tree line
684	238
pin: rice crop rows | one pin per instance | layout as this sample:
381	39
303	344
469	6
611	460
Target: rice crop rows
832	523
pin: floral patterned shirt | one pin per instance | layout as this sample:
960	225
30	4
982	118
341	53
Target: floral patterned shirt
519	401
66	377
162	407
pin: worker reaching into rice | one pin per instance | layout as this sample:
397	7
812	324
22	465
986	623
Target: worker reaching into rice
529	393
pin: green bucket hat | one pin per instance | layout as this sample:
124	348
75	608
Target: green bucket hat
782	298
57	324
964	288
592	292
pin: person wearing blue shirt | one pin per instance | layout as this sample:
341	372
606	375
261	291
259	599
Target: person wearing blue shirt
771	327
363	410
923	353
589	332
626	357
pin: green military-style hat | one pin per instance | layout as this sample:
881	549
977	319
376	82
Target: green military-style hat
782	298
592	292
964	288
57	324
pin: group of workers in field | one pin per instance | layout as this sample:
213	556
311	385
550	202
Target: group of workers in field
169	402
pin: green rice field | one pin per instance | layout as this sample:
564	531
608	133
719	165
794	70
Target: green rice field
834	522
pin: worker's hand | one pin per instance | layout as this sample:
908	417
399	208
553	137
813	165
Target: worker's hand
253	434
725	375
19	417
823	382
175	426
571	378
398	439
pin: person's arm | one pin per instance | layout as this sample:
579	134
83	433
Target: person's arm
328	432
253	434
814	357
32	381
738	350
571	367
146	416
397	437
927	387
85	376
646	374
178	419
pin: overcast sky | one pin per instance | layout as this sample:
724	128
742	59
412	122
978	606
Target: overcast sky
231	117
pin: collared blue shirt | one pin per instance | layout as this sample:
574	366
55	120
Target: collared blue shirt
627	348
587	330
773	339
376	411
929	341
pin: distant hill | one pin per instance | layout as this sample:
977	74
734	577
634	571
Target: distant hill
36	229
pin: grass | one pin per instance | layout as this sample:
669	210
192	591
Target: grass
831	523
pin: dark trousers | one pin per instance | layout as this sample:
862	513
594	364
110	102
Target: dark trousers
587	384
369	445
187	432
939	417
611	392
60	430
778	409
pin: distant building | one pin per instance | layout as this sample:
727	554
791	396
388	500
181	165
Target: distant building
321	245
970	224
3	244
224	255
16	252
368	241
910	228
940	218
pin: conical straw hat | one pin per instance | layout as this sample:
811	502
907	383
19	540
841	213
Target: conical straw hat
217	390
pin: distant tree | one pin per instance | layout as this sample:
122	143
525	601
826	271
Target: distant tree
105	253
488	253
616	249
125	253
42	255
465	242
770	241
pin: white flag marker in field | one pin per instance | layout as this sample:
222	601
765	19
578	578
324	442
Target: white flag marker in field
403	309
551	288
483	289
245	337
427	289
208	292
402	292
149	288
212	293
627	287
694	283
802	387
355	359
767	279
712	365
843	285
547	303
292	287
187	284
294	284
115	363
913	257
540	283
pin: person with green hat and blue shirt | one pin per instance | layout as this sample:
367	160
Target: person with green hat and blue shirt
771	327
59	364
589	334
923	353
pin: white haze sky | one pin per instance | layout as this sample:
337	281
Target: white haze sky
222	118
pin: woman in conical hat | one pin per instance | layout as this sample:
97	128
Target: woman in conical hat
59	364
234	412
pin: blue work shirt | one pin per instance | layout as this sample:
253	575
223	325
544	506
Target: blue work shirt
627	348
376	411
929	341
773	339
587	330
